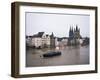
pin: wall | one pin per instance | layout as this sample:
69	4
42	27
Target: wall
5	40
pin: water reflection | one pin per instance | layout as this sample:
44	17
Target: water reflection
70	56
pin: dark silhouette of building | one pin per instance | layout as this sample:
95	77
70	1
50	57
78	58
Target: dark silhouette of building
52	40
85	41
74	36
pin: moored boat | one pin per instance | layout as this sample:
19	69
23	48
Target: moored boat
51	54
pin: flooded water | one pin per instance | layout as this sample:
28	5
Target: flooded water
70	56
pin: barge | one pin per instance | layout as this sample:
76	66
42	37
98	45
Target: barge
52	54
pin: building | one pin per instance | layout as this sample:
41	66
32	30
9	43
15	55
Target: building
41	40
74	36
61	42
86	41
52	40
64	41
28	41
47	39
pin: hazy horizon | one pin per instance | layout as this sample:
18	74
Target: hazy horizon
59	24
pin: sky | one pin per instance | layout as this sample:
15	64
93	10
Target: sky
58	23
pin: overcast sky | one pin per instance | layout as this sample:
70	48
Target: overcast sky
59	24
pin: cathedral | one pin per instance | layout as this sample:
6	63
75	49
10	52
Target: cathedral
74	36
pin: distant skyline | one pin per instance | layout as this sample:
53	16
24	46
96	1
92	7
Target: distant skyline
59	24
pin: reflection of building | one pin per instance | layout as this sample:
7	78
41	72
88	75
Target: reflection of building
74	36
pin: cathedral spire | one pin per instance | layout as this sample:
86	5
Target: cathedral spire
76	28
70	30
52	35
79	29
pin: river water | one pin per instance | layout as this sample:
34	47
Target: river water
70	56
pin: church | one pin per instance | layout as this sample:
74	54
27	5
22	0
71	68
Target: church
74	36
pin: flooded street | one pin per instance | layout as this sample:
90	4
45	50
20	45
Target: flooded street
70	56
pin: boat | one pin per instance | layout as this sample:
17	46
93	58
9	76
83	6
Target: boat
52	54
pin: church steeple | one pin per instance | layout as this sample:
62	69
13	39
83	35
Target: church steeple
52	35
76	28
79	30
70	29
71	32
